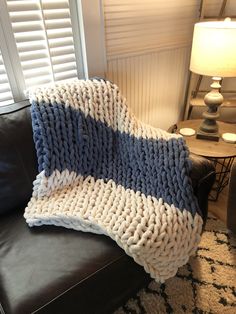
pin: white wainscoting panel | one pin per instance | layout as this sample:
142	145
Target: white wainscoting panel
148	47
154	84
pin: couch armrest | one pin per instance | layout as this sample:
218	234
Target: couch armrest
202	176
231	205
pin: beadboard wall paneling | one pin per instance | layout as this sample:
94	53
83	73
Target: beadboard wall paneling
154	84
148	46
135	27
148	49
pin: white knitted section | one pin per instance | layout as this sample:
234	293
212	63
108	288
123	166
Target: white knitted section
102	101
45	186
158	236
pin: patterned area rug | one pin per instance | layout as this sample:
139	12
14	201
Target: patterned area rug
206	285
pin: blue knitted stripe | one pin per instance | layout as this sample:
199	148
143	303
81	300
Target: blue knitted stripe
66	139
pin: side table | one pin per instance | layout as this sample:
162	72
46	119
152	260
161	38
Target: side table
221	153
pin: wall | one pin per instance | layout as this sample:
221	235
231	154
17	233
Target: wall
148	47
153	84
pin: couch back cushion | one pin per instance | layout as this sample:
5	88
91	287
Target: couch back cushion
18	163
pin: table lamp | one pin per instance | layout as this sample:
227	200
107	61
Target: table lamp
213	54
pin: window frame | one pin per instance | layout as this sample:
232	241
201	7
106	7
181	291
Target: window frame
93	36
10	55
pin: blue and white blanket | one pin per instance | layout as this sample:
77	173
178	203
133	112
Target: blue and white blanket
103	171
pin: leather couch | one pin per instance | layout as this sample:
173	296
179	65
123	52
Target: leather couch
231	202
52	269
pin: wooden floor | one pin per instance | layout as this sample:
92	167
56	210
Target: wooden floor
219	208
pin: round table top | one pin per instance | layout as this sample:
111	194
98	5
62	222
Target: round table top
207	148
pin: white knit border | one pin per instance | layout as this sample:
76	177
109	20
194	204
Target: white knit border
158	236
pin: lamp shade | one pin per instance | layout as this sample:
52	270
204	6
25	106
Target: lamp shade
214	49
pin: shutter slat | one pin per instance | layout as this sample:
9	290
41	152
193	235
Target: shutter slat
3	78
17	6
52	34
61	42
37	72
63	59
5	88
57	24
52	5
64	67
26	16
37	81
56	14
5	97
32	55
34	64
27	27
66	75
32	36
25	47
2	72
60	51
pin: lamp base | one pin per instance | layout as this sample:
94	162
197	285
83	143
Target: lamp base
207	136
209	129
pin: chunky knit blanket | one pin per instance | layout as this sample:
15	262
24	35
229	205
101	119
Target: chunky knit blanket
103	171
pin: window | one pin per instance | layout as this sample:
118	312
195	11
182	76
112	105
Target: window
38	45
5	89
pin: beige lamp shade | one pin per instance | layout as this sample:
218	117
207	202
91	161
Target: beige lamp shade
214	49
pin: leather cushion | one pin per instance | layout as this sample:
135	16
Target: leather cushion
18	164
51	269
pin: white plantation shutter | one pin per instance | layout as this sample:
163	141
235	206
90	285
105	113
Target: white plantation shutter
44	40
5	89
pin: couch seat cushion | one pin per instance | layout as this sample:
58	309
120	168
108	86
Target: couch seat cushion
54	270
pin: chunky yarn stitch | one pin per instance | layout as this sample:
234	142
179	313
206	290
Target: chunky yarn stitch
103	171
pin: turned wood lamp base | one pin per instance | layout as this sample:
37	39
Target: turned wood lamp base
209	129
